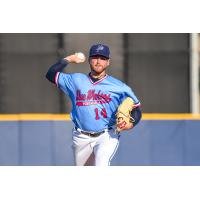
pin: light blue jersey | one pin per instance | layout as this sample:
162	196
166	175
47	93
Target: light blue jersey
94	105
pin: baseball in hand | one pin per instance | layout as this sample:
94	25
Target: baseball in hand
80	56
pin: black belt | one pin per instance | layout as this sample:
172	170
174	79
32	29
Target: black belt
92	134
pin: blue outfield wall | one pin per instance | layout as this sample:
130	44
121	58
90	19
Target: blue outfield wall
151	143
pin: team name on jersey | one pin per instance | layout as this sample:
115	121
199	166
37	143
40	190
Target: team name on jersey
91	97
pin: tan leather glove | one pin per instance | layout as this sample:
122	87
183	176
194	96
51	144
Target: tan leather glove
124	121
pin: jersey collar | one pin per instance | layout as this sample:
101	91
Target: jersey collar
100	80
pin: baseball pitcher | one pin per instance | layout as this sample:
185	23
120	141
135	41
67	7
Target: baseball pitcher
102	106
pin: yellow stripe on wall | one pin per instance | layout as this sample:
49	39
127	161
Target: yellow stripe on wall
63	117
33	117
170	116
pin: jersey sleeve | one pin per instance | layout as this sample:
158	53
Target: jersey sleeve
128	92
65	82
136	114
52	73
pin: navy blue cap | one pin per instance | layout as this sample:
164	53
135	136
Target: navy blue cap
99	50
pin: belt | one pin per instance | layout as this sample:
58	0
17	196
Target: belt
91	133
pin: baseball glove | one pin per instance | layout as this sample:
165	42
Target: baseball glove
123	116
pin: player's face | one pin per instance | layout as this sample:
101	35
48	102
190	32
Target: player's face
98	64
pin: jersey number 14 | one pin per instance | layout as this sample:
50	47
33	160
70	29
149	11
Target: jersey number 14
102	112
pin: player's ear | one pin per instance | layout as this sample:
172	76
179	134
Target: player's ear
89	60
108	63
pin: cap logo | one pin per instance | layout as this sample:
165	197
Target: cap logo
99	48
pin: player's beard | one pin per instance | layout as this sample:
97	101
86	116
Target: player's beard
98	70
